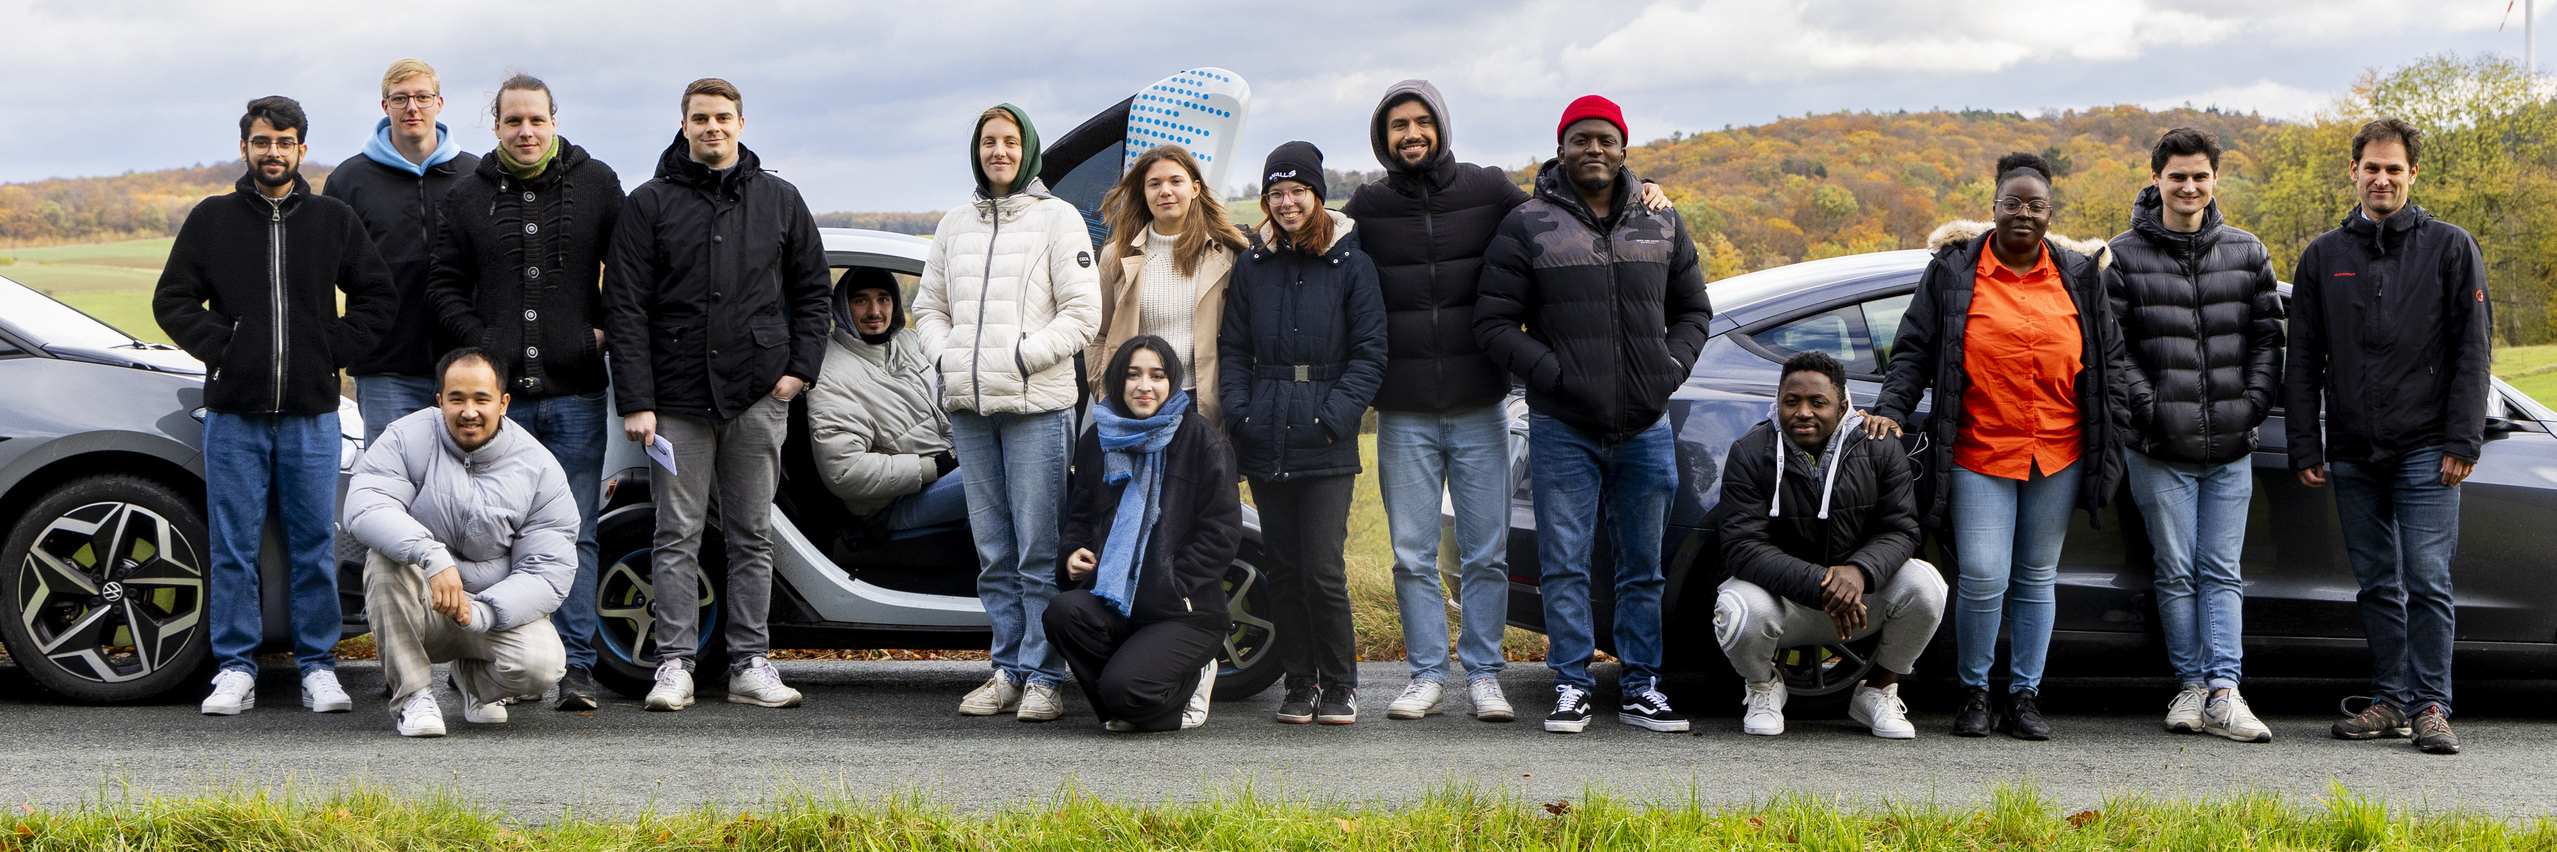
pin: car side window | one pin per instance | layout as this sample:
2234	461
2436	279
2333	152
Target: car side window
1882	320
1839	332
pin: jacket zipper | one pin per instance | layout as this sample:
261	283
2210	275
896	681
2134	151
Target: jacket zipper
2201	347
275	290
985	291
1429	243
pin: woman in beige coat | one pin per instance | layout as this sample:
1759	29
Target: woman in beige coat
1165	267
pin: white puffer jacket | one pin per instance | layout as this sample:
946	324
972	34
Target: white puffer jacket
501	514
1009	294
876	421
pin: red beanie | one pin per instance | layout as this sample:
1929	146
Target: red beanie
1593	106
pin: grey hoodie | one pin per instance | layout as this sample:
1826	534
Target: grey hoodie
1429	96
501	514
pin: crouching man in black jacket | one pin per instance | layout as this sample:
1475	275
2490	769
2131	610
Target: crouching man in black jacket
1819	525
1153	522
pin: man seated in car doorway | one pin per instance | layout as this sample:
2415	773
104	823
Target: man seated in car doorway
882	439
1820	524
473	534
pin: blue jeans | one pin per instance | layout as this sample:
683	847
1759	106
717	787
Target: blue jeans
945	501
385	397
1581	482
1014	467
286	465
2401	528
2197	524
1465	456
572	427
2007	535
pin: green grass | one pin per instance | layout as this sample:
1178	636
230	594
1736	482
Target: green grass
1450	818
110	281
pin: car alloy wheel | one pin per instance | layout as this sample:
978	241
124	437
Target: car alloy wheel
1248	662
106	589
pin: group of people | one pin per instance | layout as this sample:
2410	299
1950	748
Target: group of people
484	297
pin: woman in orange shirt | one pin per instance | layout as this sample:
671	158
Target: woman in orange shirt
2013	331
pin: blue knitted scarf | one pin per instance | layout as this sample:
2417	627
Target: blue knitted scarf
1132	453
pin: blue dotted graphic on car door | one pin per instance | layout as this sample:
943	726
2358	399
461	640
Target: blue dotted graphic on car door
1201	110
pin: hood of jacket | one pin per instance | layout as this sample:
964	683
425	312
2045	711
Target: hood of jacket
842	303
676	165
1440	155
570	157
1551	186
2379	237
1825	466
1267	234
1962	231
1010	207
379	149
1023	179
2148	219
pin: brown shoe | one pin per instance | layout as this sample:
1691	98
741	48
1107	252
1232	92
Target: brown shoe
2379	719
2432	732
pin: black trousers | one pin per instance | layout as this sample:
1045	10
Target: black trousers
1304	524
1141	674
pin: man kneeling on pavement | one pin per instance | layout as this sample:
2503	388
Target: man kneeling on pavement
1819	527
473	539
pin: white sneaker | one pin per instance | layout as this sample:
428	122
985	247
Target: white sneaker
998	695
2230	717
1420	698
1766	702
420	717
491	713
674	689
1040	703
1489	704
1195	713
759	684
1881	711
233	691
321	693
2184	714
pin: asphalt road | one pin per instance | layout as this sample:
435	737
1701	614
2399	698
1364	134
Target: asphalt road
874	728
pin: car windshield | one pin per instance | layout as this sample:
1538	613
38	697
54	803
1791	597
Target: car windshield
54	324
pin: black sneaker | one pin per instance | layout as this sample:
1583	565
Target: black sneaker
2023	719
1339	706
577	690
2378	720
2432	732
1571	711
1298	707
1650	709
1977	713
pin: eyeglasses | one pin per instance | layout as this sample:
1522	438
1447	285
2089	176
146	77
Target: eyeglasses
262	143
2010	205
401	101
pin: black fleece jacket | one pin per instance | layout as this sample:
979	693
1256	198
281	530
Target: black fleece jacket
2203	327
250	289
402	212
1872	518
2391	334
716	286
1182	572
518	268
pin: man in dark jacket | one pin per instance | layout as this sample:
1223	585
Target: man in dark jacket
397	187
251	290
1819	524
1600	305
2390	339
516	274
715	306
1441	427
2203	328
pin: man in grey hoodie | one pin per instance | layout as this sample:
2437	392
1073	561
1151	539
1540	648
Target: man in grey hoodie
473	535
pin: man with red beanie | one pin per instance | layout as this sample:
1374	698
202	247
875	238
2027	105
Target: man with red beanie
1599	304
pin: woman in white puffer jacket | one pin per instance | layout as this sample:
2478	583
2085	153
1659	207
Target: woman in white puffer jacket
1009	295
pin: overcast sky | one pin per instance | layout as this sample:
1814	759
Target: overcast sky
866	105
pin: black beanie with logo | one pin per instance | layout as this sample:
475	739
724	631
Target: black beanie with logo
1296	161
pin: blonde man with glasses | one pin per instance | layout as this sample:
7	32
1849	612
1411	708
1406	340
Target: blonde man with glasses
397	187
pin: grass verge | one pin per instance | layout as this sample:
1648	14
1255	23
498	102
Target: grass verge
2014	817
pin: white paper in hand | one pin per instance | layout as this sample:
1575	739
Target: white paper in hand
663	451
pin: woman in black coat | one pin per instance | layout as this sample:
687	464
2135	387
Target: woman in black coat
1300	355
1150	528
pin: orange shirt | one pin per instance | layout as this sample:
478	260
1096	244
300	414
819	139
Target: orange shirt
2020	351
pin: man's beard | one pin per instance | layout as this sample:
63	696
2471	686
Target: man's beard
284	178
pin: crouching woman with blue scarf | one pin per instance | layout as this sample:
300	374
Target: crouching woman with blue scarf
1150	528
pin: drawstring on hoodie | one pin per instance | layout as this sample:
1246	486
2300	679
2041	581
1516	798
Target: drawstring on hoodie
1832	455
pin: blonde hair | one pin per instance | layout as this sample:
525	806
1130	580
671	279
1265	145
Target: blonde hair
1129	214
403	70
714	87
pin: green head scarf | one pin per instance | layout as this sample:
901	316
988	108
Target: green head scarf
1029	154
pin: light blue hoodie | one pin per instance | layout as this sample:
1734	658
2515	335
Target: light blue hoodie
382	151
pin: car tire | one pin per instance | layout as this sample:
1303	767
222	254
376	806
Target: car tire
103	589
625	583
1248	663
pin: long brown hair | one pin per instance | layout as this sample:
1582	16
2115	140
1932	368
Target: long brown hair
1206	224
1314	237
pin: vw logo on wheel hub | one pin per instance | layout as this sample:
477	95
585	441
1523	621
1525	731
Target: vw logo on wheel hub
111	592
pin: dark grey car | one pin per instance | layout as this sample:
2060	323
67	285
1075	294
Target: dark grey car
2301	616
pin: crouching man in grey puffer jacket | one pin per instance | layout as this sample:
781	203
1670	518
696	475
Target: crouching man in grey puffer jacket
473	539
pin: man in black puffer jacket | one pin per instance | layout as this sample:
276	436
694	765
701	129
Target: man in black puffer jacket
250	289
1819	526
516	273
2202	325
1600	305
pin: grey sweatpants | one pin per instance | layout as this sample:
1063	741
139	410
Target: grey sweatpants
411	637
1753	624
738	458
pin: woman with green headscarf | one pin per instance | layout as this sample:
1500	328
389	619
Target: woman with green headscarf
1009	295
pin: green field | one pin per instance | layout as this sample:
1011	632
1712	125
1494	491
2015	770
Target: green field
110	281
